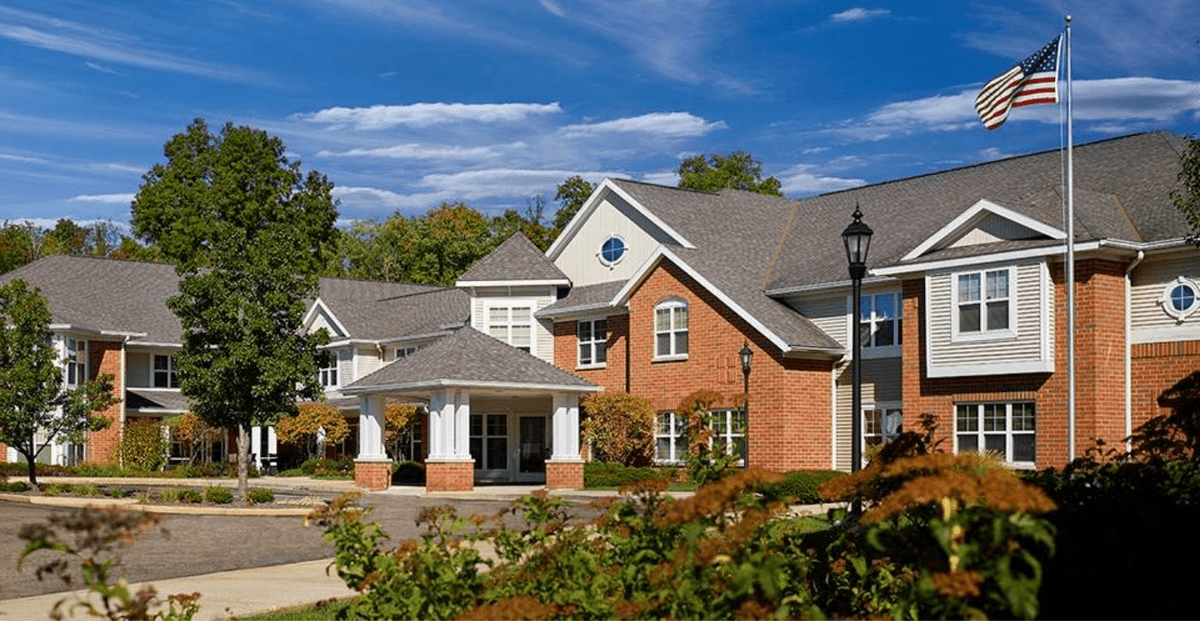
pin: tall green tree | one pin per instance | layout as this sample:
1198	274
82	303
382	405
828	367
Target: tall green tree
738	171
530	223
571	195
32	400
18	245
248	234
1187	196
449	239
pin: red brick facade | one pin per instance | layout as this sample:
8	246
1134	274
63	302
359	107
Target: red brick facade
1099	368
105	357
452	476
373	475
790	398
564	475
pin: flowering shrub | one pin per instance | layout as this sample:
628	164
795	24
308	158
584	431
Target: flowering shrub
619	427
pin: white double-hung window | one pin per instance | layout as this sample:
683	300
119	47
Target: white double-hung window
879	322
1006	429
512	324
671	329
327	374
76	351
983	303
592	335
164	372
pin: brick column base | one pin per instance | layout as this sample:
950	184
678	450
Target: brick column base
449	476
373	475
565	474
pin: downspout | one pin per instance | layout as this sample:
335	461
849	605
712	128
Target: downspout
1129	352
121	407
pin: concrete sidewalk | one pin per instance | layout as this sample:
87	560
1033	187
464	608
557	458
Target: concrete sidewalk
222	595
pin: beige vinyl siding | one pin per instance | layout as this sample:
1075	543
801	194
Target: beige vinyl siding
993	228
365	361
883	381
137	369
538	297
321	320
1148	321
830	314
1030	345
579	260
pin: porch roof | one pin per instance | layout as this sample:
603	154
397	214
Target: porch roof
468	358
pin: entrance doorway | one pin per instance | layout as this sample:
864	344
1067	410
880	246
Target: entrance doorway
535	448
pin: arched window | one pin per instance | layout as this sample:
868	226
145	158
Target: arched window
671	329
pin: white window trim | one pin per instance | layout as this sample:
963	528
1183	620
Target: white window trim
509	304
673	304
887	351
1008	333
579	343
600	251
729	436
678	442
334	366
403	352
887	436
1008	430
171	371
82	369
1168	305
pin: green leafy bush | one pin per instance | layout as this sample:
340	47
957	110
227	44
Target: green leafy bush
19	469
260	495
291	472
613	475
95	469
13	487
619	427
800	486
328	467
55	489
142	447
218	495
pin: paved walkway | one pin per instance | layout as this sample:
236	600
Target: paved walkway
222	595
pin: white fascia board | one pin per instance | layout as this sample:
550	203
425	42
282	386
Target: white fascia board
598	311
999	257
470	385
977	212
833	285
593	201
647	266
561	282
991	368
388	341
70	327
153	344
318	304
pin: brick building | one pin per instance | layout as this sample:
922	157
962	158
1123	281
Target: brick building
654	290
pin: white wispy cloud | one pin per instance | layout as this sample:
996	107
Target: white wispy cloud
21	158
804	180
859	14
1121	102
663	124
102	69
415	151
426	114
115	199
68	37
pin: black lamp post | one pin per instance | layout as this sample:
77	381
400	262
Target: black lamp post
747	355
857	238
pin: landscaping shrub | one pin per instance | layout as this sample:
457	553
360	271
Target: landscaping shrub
20	469
607	474
14	487
54	489
314	426
619	427
260	495
408	472
96	469
190	495
799	486
291	472
328	467
142	447
218	495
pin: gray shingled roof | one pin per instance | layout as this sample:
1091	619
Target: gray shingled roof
373	310
107	295
515	259
469	357
162	400
734	233
1122	191
583	299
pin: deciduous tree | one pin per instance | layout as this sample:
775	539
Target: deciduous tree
248	233
571	195
739	171
1187	196
31	396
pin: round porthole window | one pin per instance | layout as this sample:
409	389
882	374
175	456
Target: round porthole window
1181	298
612	250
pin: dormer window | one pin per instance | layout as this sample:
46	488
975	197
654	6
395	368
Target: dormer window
327	375
612	250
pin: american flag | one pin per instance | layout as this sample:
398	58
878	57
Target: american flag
1034	81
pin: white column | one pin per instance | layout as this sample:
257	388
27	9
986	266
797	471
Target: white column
462	425
370	428
255	444
441	407
565	427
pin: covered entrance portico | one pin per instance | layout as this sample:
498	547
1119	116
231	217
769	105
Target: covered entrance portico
513	418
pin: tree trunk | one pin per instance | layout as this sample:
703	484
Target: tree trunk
243	463
30	460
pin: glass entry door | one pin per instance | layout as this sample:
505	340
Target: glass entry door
535	447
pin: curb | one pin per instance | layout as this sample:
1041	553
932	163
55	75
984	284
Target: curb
132	504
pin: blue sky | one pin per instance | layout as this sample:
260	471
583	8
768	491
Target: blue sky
407	103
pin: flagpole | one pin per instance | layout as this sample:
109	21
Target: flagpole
1070	258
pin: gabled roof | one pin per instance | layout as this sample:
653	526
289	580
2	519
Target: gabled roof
1122	192
106	296
372	310
517	260
584	300
468	358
